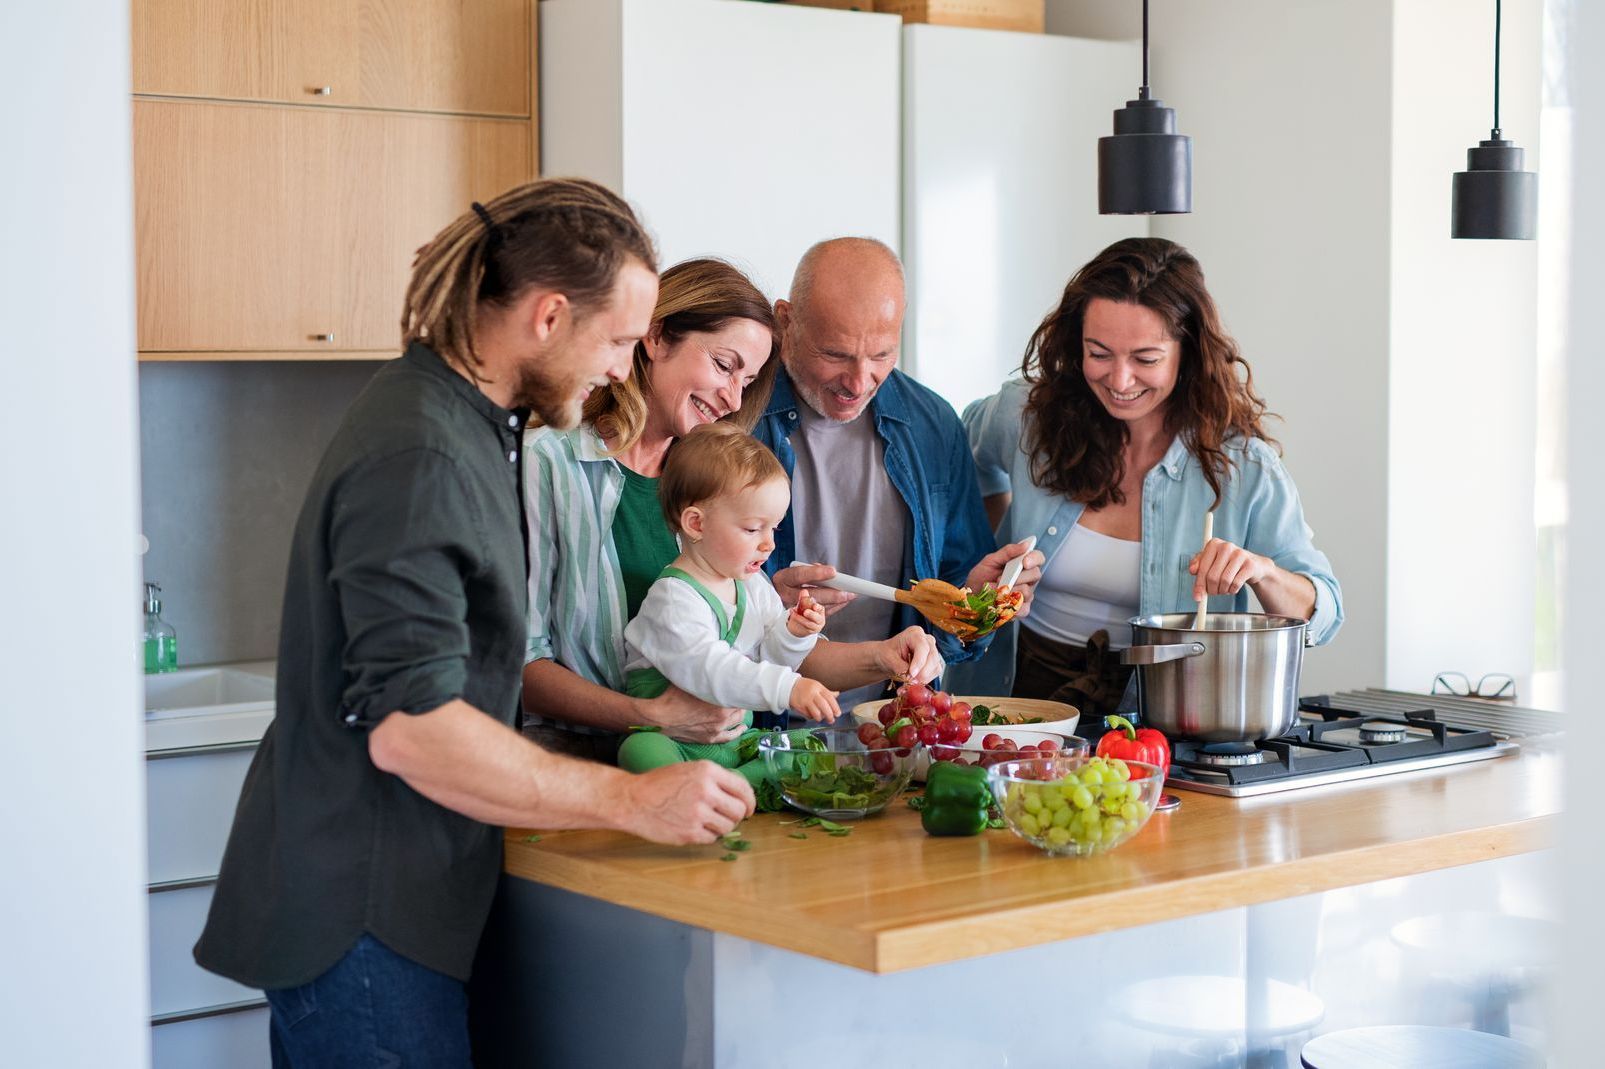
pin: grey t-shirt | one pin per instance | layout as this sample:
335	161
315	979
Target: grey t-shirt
847	513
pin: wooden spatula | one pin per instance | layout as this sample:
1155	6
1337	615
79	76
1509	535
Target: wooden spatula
951	608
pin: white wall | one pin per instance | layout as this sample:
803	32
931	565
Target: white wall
72	900
1461	538
1289	109
1000	192
742	130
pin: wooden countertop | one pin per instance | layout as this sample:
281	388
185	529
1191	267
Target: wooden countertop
889	897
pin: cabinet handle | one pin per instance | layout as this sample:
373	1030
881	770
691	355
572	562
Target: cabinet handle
323	337
208	1011
320	90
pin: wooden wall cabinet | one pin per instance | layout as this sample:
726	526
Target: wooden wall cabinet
420	55
290	232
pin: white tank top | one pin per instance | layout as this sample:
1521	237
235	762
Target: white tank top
1090	585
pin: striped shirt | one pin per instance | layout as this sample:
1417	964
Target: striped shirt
576	591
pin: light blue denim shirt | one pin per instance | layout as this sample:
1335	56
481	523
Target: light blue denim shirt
1259	511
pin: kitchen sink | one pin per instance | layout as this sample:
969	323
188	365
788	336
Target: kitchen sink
208	706
207	691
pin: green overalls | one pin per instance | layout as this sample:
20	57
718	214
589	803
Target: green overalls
643	750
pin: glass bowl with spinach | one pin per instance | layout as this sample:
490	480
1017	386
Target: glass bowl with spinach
829	773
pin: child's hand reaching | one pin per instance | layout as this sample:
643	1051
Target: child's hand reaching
814	700
806	617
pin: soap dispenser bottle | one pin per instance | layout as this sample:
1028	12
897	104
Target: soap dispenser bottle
161	641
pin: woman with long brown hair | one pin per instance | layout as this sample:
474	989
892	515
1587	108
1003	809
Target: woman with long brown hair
1135	417
597	536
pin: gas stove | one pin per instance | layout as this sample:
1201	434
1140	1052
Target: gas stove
1335	743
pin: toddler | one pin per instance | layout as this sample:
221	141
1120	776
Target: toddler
712	624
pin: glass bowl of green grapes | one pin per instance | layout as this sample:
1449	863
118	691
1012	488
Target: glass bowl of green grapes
1073	805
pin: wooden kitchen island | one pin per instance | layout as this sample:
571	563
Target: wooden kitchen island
1306	902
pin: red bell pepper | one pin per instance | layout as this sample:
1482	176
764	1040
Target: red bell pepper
1130	743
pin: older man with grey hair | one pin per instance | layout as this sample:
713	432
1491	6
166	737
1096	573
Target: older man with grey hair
883	483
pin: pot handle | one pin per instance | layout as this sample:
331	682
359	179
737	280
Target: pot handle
1160	654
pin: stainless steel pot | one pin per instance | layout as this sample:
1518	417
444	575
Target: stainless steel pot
1234	681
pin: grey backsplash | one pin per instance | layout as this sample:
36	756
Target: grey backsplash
226	452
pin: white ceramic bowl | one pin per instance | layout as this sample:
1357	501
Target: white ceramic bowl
1057	717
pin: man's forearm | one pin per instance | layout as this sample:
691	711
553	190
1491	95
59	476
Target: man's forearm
460	758
558	693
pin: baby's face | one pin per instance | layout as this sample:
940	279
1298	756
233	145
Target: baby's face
738	530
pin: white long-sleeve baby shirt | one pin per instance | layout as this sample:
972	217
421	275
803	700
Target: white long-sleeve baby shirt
677	633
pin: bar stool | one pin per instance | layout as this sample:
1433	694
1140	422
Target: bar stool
1489	960
1212	1013
1416	1046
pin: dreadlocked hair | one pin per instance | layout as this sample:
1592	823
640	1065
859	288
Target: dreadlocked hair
566	234
1076	446
694	297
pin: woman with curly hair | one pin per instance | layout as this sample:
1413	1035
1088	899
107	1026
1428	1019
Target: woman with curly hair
1136	415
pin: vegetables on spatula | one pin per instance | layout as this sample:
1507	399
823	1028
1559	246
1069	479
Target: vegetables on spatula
965	614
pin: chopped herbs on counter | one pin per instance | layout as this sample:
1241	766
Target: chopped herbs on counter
829	827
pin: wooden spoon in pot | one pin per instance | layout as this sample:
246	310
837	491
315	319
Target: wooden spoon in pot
1203	602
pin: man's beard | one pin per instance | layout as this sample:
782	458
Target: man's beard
815	399
554	398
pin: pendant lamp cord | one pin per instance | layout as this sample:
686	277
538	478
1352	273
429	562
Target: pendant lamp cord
1142	93
1496	136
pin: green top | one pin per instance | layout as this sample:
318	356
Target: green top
641	538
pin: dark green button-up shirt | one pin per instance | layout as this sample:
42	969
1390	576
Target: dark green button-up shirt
406	589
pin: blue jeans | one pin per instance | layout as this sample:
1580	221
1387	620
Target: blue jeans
372	1008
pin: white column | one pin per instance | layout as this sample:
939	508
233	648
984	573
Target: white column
1582	861
72	900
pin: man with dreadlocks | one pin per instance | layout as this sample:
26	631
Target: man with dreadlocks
366	846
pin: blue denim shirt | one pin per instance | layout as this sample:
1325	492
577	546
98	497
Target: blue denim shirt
1259	511
929	463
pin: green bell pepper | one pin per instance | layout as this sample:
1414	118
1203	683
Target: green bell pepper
957	798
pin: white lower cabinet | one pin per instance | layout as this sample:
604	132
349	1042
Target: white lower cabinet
177	984
225	1041
199	1020
190	800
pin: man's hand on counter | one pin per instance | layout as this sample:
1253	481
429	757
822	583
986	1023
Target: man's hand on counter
460	758
693	802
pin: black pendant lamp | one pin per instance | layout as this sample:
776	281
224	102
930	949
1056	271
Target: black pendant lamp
1146	168
1493	196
